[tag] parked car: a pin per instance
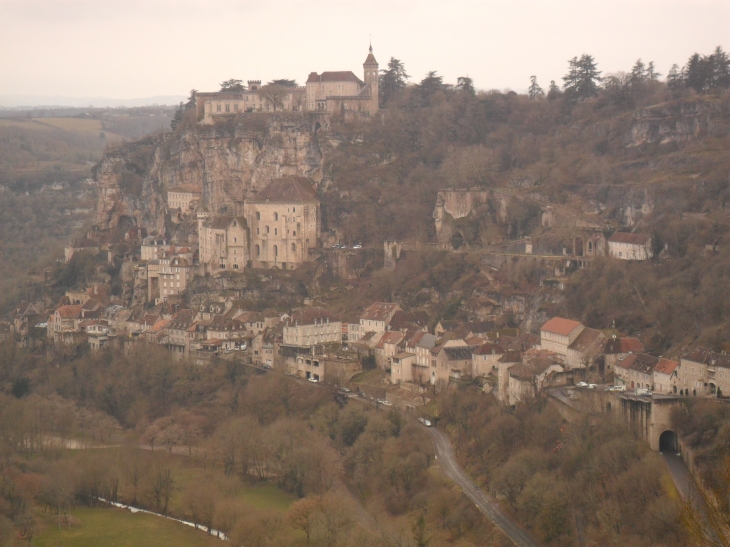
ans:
(344, 390)
(592, 386)
(581, 384)
(617, 388)
(641, 392)
(267, 366)
(357, 246)
(425, 422)
(313, 380)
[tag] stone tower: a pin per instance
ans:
(370, 67)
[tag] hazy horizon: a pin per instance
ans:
(126, 50)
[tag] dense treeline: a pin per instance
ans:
(210, 437)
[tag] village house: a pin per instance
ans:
(630, 246)
(451, 363)
(535, 373)
(616, 349)
(485, 359)
(178, 335)
(636, 371)
(311, 326)
(377, 316)
(167, 277)
(284, 223)
(63, 323)
(587, 345)
(558, 334)
(665, 376)
(255, 98)
(401, 367)
(387, 347)
(153, 248)
(704, 372)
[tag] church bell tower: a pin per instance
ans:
(370, 67)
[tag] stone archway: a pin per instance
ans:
(668, 442)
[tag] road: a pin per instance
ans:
(447, 461)
(680, 474)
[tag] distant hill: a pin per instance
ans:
(22, 102)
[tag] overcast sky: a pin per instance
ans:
(142, 48)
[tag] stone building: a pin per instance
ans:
(343, 91)
(704, 372)
(312, 326)
(168, 276)
(284, 223)
(183, 198)
(558, 333)
(223, 243)
(256, 98)
(628, 246)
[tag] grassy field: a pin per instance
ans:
(80, 126)
(119, 528)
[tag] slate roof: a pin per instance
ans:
(221, 223)
(561, 326)
(458, 353)
(588, 340)
(288, 189)
(336, 76)
(627, 237)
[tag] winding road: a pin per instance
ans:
(447, 460)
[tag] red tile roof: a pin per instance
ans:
(666, 366)
(69, 312)
(561, 326)
(627, 237)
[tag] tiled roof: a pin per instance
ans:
(380, 311)
(642, 362)
(288, 189)
(511, 357)
(707, 357)
(666, 366)
(427, 341)
(588, 340)
(627, 237)
(69, 312)
(561, 326)
(489, 349)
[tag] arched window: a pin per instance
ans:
(258, 250)
(235, 224)
(258, 231)
(276, 216)
(267, 229)
(276, 231)
(294, 209)
(258, 215)
(294, 247)
(276, 250)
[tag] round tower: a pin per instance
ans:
(370, 67)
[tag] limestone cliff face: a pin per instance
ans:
(229, 163)
(677, 122)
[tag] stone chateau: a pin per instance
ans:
(328, 92)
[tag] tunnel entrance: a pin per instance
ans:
(668, 442)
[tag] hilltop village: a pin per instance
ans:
(182, 233)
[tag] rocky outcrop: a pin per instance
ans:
(677, 122)
(228, 163)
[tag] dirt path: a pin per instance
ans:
(447, 460)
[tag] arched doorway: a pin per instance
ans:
(668, 442)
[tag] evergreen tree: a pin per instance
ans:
(720, 69)
(284, 83)
(191, 99)
(651, 74)
(696, 73)
(464, 83)
(637, 78)
(588, 77)
(392, 80)
(675, 78)
(572, 78)
(178, 117)
(233, 85)
(553, 91)
(535, 91)
(430, 85)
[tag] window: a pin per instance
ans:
(235, 239)
(267, 229)
(294, 233)
(276, 231)
(294, 209)
(234, 225)
(258, 250)
(258, 231)
(218, 108)
(276, 250)
(293, 247)
(258, 215)
(235, 107)
(228, 107)
(276, 216)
